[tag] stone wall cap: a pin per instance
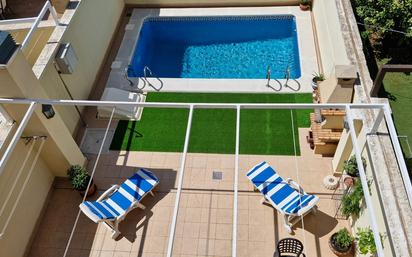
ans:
(346, 71)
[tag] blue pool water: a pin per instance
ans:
(233, 47)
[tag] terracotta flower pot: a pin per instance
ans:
(339, 252)
(304, 7)
(91, 191)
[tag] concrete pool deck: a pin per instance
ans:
(306, 43)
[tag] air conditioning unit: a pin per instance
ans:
(66, 58)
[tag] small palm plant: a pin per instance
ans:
(79, 177)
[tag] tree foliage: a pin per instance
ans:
(381, 17)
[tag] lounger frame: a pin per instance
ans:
(291, 219)
(113, 224)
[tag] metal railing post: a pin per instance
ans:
(364, 182)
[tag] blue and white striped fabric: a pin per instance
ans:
(277, 191)
(129, 192)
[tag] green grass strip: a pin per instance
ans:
(213, 130)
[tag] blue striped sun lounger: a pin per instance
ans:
(114, 204)
(286, 196)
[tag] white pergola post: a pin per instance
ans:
(192, 106)
(377, 122)
(179, 186)
(235, 184)
(364, 181)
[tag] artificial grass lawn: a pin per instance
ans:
(214, 130)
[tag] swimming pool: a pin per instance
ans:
(229, 47)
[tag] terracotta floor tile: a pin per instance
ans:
(223, 247)
(204, 225)
(189, 246)
(224, 231)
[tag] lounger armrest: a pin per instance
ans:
(295, 185)
(107, 192)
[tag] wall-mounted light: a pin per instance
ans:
(47, 110)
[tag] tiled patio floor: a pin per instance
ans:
(204, 224)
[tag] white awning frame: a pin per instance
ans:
(191, 106)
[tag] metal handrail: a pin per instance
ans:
(131, 83)
(268, 75)
(151, 74)
(287, 77)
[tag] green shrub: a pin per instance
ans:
(366, 242)
(79, 177)
(351, 166)
(351, 203)
(342, 240)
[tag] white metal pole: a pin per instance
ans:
(398, 153)
(179, 186)
(23, 187)
(187, 105)
(235, 185)
(377, 122)
(66, 250)
(53, 13)
(36, 23)
(17, 136)
(365, 186)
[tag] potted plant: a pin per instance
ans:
(316, 78)
(80, 179)
(365, 241)
(351, 202)
(351, 166)
(341, 242)
(305, 5)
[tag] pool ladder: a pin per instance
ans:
(287, 77)
(268, 73)
(148, 73)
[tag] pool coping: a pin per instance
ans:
(306, 45)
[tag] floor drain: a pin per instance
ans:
(217, 175)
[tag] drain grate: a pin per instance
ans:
(217, 175)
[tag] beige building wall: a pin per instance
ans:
(197, 3)
(59, 151)
(37, 42)
(18, 232)
(90, 32)
(331, 44)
